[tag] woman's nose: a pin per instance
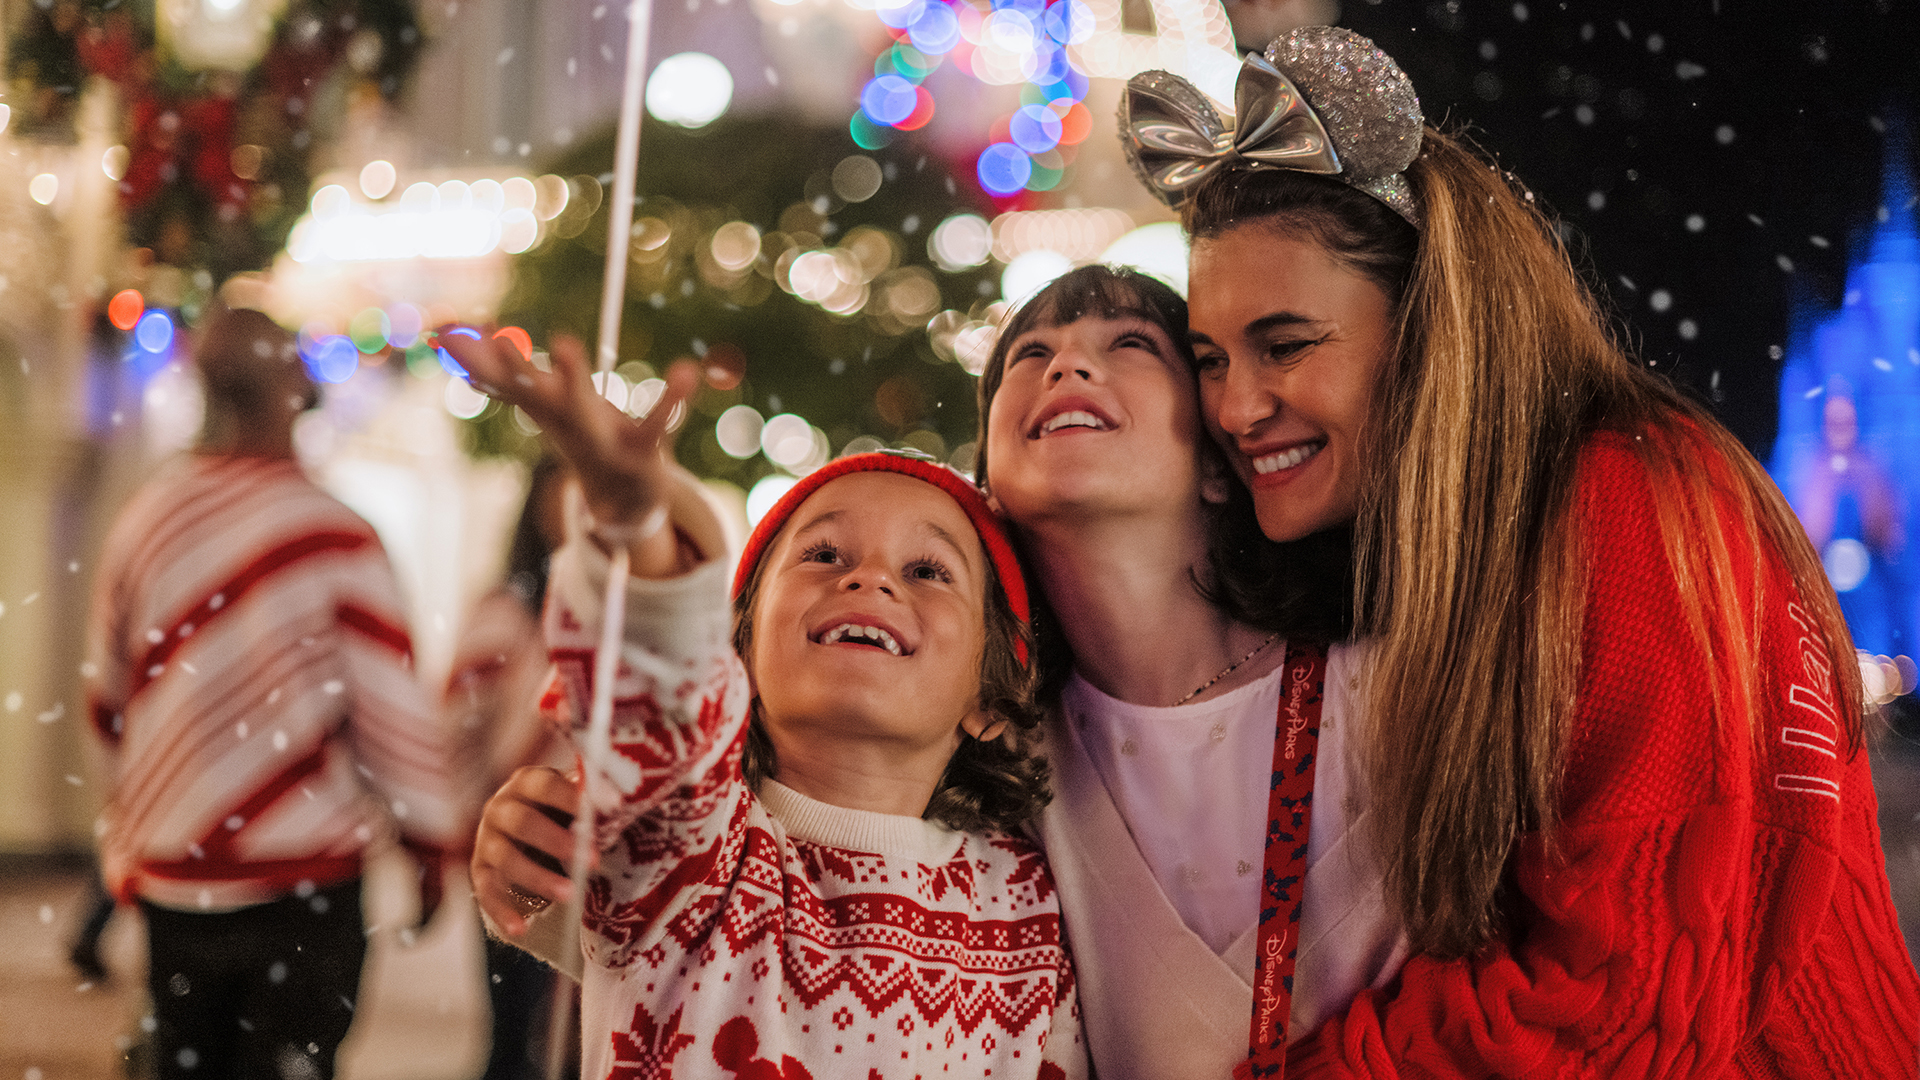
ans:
(1242, 401)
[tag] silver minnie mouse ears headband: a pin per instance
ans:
(1321, 100)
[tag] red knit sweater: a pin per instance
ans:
(1722, 909)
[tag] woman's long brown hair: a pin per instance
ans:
(1468, 565)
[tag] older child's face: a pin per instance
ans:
(872, 615)
(1290, 344)
(1094, 416)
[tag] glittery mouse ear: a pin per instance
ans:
(1321, 100)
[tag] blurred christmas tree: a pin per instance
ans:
(786, 253)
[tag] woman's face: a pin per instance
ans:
(1291, 345)
(1092, 417)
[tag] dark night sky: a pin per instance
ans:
(1767, 121)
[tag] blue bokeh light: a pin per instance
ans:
(889, 99)
(1069, 22)
(1050, 65)
(936, 30)
(447, 362)
(1035, 129)
(901, 14)
(332, 359)
(1004, 169)
(154, 332)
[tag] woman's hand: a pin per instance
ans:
(523, 846)
(621, 463)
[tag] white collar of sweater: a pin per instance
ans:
(815, 822)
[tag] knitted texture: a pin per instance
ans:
(252, 684)
(1721, 906)
(733, 932)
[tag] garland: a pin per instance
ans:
(216, 167)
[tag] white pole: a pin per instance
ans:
(606, 663)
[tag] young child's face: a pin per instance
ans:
(872, 614)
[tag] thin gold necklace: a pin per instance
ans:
(1228, 670)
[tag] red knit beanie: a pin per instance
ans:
(993, 536)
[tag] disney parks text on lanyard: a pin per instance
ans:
(1283, 880)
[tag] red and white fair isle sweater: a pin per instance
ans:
(251, 679)
(1722, 909)
(767, 935)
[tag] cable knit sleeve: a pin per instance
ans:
(1720, 904)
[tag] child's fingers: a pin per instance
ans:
(683, 378)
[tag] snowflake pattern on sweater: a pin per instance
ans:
(766, 935)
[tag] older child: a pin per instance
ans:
(846, 902)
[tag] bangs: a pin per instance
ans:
(1101, 292)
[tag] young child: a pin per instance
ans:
(805, 863)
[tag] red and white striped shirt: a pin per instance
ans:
(252, 681)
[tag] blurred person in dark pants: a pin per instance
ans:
(253, 686)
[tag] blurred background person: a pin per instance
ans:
(252, 684)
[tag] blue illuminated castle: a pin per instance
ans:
(1848, 452)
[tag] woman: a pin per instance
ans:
(1634, 829)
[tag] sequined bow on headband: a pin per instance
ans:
(1321, 100)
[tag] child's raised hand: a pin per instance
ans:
(621, 463)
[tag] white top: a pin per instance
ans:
(1160, 1001)
(1191, 783)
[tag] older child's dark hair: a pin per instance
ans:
(990, 784)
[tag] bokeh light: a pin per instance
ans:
(1035, 129)
(44, 188)
(377, 179)
(518, 338)
(404, 323)
(960, 242)
(936, 30)
(368, 330)
(447, 362)
(765, 494)
(1004, 169)
(154, 332)
(736, 245)
(123, 311)
(889, 99)
(463, 401)
(738, 431)
(787, 440)
(1159, 249)
(333, 359)
(114, 162)
(690, 89)
(1070, 22)
(1032, 272)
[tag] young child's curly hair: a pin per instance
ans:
(991, 784)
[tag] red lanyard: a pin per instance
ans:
(1283, 880)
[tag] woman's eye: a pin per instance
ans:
(1290, 350)
(1210, 363)
(821, 553)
